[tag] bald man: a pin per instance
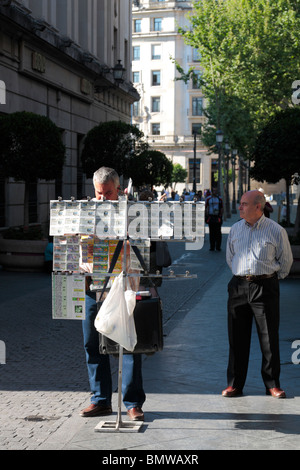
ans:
(258, 254)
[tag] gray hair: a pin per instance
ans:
(104, 175)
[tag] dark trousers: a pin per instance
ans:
(215, 235)
(259, 299)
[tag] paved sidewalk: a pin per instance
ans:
(184, 408)
(43, 384)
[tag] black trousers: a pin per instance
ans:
(259, 299)
(215, 235)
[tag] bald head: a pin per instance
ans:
(257, 197)
(252, 206)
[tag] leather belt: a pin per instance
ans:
(250, 277)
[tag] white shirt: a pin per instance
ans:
(263, 248)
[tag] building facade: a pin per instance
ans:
(56, 60)
(170, 112)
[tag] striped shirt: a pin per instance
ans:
(263, 248)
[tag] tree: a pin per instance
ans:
(277, 152)
(31, 149)
(151, 168)
(235, 122)
(111, 144)
(249, 49)
(179, 174)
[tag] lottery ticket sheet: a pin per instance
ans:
(85, 235)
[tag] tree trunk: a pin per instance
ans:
(288, 215)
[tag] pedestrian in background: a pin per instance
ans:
(268, 208)
(214, 219)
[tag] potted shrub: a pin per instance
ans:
(31, 149)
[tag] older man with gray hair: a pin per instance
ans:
(259, 254)
(107, 185)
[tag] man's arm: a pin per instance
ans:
(284, 255)
(229, 251)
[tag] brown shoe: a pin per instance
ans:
(136, 414)
(276, 392)
(232, 392)
(96, 410)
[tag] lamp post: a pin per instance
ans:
(194, 165)
(219, 140)
(241, 170)
(233, 158)
(227, 204)
(248, 175)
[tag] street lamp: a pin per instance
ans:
(194, 165)
(233, 157)
(241, 177)
(219, 140)
(118, 72)
(227, 205)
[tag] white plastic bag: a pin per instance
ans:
(115, 317)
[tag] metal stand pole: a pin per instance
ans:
(119, 416)
(119, 425)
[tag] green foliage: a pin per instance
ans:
(277, 150)
(189, 75)
(31, 147)
(277, 153)
(121, 146)
(111, 144)
(249, 49)
(234, 120)
(179, 174)
(151, 168)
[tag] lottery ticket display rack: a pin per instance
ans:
(86, 232)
